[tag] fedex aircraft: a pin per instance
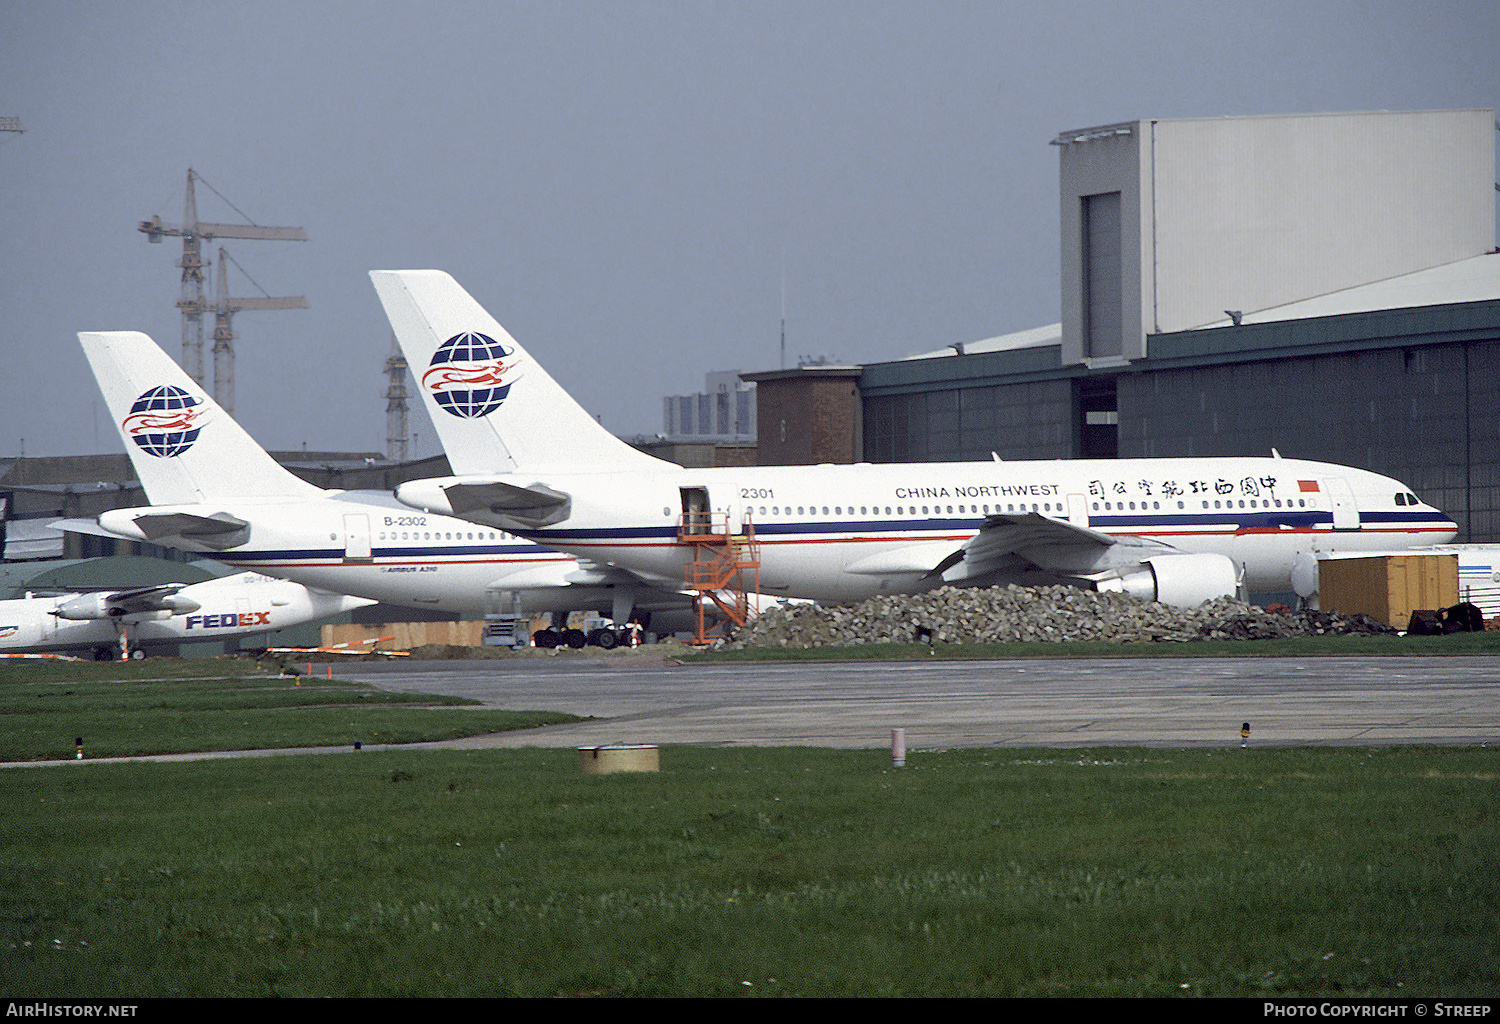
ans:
(1180, 531)
(214, 490)
(125, 620)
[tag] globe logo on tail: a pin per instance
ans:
(467, 375)
(165, 421)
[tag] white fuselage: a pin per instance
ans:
(843, 533)
(369, 545)
(234, 606)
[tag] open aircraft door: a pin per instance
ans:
(697, 514)
(713, 512)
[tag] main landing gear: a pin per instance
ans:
(607, 637)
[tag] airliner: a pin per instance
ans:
(1175, 530)
(132, 620)
(214, 490)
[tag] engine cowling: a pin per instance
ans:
(1184, 581)
(84, 606)
(99, 606)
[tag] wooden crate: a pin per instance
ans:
(406, 635)
(1388, 587)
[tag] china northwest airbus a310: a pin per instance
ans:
(214, 490)
(1176, 530)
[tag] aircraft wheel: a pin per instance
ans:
(544, 638)
(574, 638)
(607, 639)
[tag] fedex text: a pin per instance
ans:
(229, 620)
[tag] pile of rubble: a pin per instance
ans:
(954, 615)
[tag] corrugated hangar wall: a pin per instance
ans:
(1426, 414)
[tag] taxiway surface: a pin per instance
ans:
(1052, 702)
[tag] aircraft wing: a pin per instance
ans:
(1006, 544)
(119, 603)
(1038, 542)
(148, 599)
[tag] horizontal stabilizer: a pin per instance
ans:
(219, 531)
(525, 507)
(88, 527)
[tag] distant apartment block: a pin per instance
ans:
(723, 412)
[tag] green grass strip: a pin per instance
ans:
(169, 707)
(1300, 872)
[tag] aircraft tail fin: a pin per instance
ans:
(185, 448)
(494, 407)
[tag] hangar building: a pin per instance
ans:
(1325, 285)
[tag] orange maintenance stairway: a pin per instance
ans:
(723, 572)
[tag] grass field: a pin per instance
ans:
(165, 706)
(736, 872)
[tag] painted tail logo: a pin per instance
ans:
(165, 421)
(467, 375)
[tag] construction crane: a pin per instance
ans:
(193, 233)
(225, 308)
(395, 405)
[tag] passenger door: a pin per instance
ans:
(357, 538)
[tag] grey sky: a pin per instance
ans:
(626, 186)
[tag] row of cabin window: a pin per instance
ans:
(427, 535)
(903, 510)
(1120, 506)
(1046, 506)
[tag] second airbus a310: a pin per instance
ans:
(214, 490)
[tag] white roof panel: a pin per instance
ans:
(1476, 279)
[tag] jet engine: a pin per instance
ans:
(86, 606)
(1184, 581)
(103, 606)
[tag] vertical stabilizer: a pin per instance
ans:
(184, 447)
(494, 407)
